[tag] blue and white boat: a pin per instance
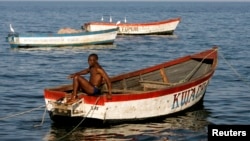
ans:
(29, 40)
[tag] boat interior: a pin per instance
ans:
(163, 77)
(158, 79)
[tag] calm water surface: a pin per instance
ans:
(24, 73)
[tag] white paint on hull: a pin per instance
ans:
(136, 28)
(143, 108)
(61, 40)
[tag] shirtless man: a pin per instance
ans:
(97, 75)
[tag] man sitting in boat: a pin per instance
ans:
(91, 87)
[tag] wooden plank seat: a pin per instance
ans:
(154, 84)
(121, 91)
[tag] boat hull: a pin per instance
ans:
(142, 99)
(166, 27)
(60, 40)
(100, 122)
(131, 110)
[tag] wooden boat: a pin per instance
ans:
(81, 38)
(164, 27)
(156, 91)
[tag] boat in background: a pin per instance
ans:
(64, 37)
(160, 90)
(164, 27)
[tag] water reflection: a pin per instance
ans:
(189, 125)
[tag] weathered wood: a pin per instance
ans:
(153, 85)
(133, 83)
(156, 82)
(122, 91)
(152, 76)
(180, 71)
(117, 85)
(164, 76)
(124, 86)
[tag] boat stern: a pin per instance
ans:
(61, 108)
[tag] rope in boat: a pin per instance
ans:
(240, 77)
(196, 67)
(21, 113)
(80, 121)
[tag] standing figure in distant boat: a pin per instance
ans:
(91, 87)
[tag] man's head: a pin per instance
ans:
(92, 59)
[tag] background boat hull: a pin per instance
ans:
(158, 28)
(61, 40)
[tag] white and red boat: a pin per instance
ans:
(164, 27)
(156, 91)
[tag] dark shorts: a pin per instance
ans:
(96, 91)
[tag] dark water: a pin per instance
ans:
(24, 73)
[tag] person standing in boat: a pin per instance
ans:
(97, 75)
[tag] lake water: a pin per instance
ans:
(24, 73)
